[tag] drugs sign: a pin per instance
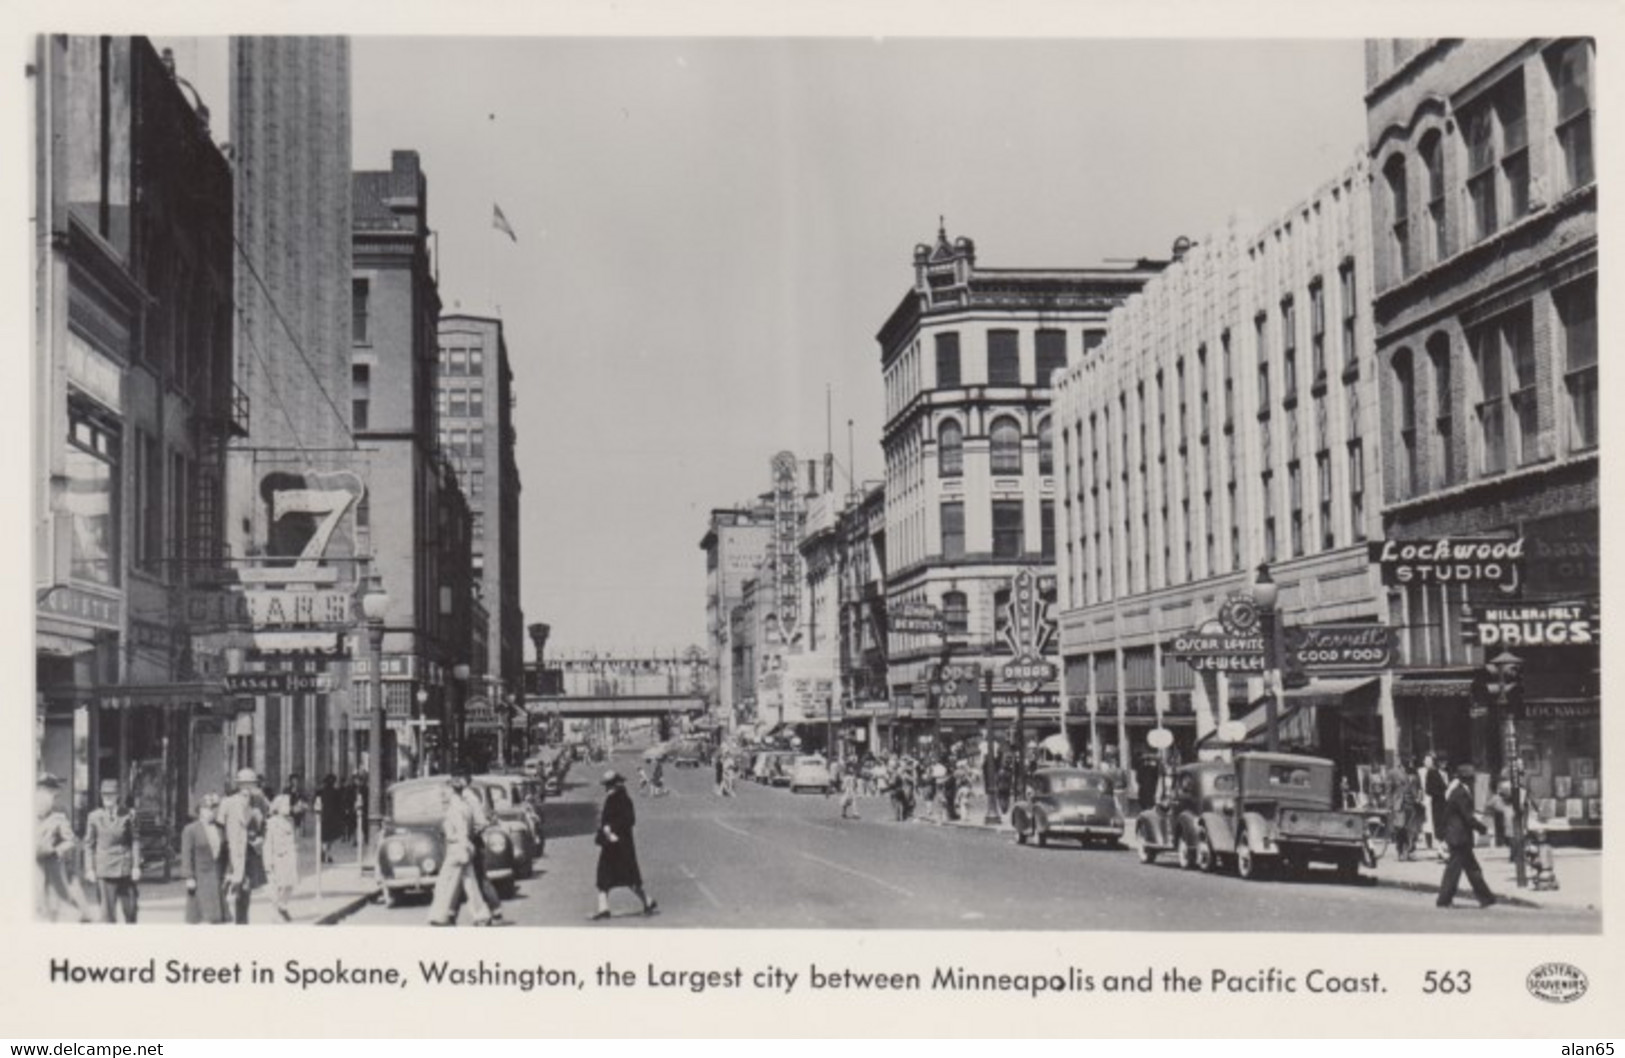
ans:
(1536, 626)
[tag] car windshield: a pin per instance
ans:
(1077, 782)
(1288, 775)
(424, 803)
(811, 762)
(499, 795)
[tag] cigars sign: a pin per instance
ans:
(1451, 560)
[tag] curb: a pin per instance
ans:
(346, 909)
(1500, 898)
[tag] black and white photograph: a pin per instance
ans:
(752, 483)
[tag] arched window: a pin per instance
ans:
(955, 611)
(1399, 214)
(1005, 438)
(1432, 150)
(1046, 448)
(950, 450)
(1443, 421)
(1405, 392)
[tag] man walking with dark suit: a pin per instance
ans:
(1457, 829)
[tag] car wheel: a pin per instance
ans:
(1207, 860)
(1145, 850)
(1184, 853)
(1246, 865)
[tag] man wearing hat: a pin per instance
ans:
(53, 848)
(617, 853)
(113, 854)
(1456, 829)
(243, 815)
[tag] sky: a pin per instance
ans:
(711, 231)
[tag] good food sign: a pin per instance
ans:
(1341, 647)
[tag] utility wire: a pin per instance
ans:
(288, 329)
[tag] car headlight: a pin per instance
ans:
(495, 840)
(428, 865)
(395, 850)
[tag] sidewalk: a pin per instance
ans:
(344, 889)
(1579, 871)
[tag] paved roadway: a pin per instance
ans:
(772, 859)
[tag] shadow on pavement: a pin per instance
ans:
(570, 819)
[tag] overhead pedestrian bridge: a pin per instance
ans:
(585, 707)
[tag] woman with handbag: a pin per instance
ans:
(617, 852)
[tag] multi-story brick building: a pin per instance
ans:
(133, 404)
(967, 358)
(1485, 220)
(735, 544)
(290, 137)
(474, 404)
(1228, 421)
(414, 521)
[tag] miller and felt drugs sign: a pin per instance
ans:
(1536, 626)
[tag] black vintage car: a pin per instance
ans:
(1071, 803)
(412, 846)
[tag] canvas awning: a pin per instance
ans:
(1295, 723)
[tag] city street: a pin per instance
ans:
(771, 859)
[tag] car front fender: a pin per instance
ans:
(1154, 824)
(1260, 834)
(1220, 830)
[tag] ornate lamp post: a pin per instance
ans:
(1507, 669)
(1265, 594)
(374, 607)
(459, 679)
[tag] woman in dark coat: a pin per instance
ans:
(617, 852)
(203, 865)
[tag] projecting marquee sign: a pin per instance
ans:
(1537, 626)
(269, 608)
(1218, 651)
(1028, 630)
(1450, 560)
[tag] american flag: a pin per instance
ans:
(500, 222)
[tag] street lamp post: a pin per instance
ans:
(990, 767)
(459, 679)
(1506, 667)
(374, 607)
(1266, 593)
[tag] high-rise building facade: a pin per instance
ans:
(1485, 223)
(133, 406)
(735, 544)
(967, 358)
(290, 146)
(1228, 422)
(414, 521)
(474, 406)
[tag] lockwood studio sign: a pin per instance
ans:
(1449, 560)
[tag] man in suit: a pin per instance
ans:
(1456, 830)
(113, 854)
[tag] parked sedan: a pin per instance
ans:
(412, 844)
(518, 803)
(1068, 802)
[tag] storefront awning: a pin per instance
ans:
(1296, 717)
(60, 646)
(170, 695)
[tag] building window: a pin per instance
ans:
(1357, 490)
(1046, 528)
(1346, 292)
(1317, 331)
(1294, 477)
(1323, 476)
(458, 403)
(476, 485)
(90, 496)
(1264, 391)
(1577, 315)
(947, 361)
(1405, 482)
(1269, 539)
(360, 415)
(1399, 228)
(950, 450)
(1051, 354)
(360, 292)
(1008, 524)
(1432, 149)
(476, 442)
(476, 361)
(1003, 359)
(1289, 352)
(955, 612)
(1262, 335)
(1503, 352)
(1179, 392)
(1570, 64)
(476, 402)
(1046, 448)
(149, 507)
(953, 529)
(1005, 438)
(1443, 421)
(1497, 137)
(458, 361)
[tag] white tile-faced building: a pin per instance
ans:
(967, 359)
(1228, 421)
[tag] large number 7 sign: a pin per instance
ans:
(306, 539)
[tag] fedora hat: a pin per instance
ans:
(613, 778)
